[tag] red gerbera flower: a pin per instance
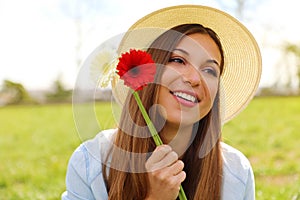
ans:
(136, 68)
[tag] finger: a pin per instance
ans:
(175, 181)
(168, 160)
(159, 153)
(176, 168)
(169, 171)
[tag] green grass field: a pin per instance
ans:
(37, 141)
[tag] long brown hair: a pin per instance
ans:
(127, 178)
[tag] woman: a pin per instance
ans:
(188, 115)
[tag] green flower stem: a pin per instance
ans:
(150, 125)
(154, 133)
(182, 194)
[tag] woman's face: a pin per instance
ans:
(190, 80)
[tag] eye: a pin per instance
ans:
(211, 71)
(177, 60)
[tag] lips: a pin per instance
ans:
(186, 96)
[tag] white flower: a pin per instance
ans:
(102, 67)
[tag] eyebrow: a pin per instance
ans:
(213, 61)
(181, 50)
(187, 53)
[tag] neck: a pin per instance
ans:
(178, 138)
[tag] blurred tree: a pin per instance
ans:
(15, 93)
(78, 10)
(294, 50)
(59, 92)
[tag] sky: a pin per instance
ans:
(38, 38)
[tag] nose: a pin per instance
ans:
(192, 76)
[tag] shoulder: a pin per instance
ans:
(238, 178)
(87, 159)
(234, 157)
(84, 178)
(235, 162)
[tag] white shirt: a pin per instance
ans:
(84, 179)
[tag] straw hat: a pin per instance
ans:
(242, 66)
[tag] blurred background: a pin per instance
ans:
(43, 45)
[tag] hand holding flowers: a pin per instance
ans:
(136, 68)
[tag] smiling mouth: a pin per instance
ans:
(185, 96)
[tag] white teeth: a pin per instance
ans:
(185, 96)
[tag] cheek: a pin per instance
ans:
(207, 105)
(210, 88)
(169, 76)
(210, 85)
(213, 91)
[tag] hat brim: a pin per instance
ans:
(242, 58)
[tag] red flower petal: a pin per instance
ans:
(136, 68)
